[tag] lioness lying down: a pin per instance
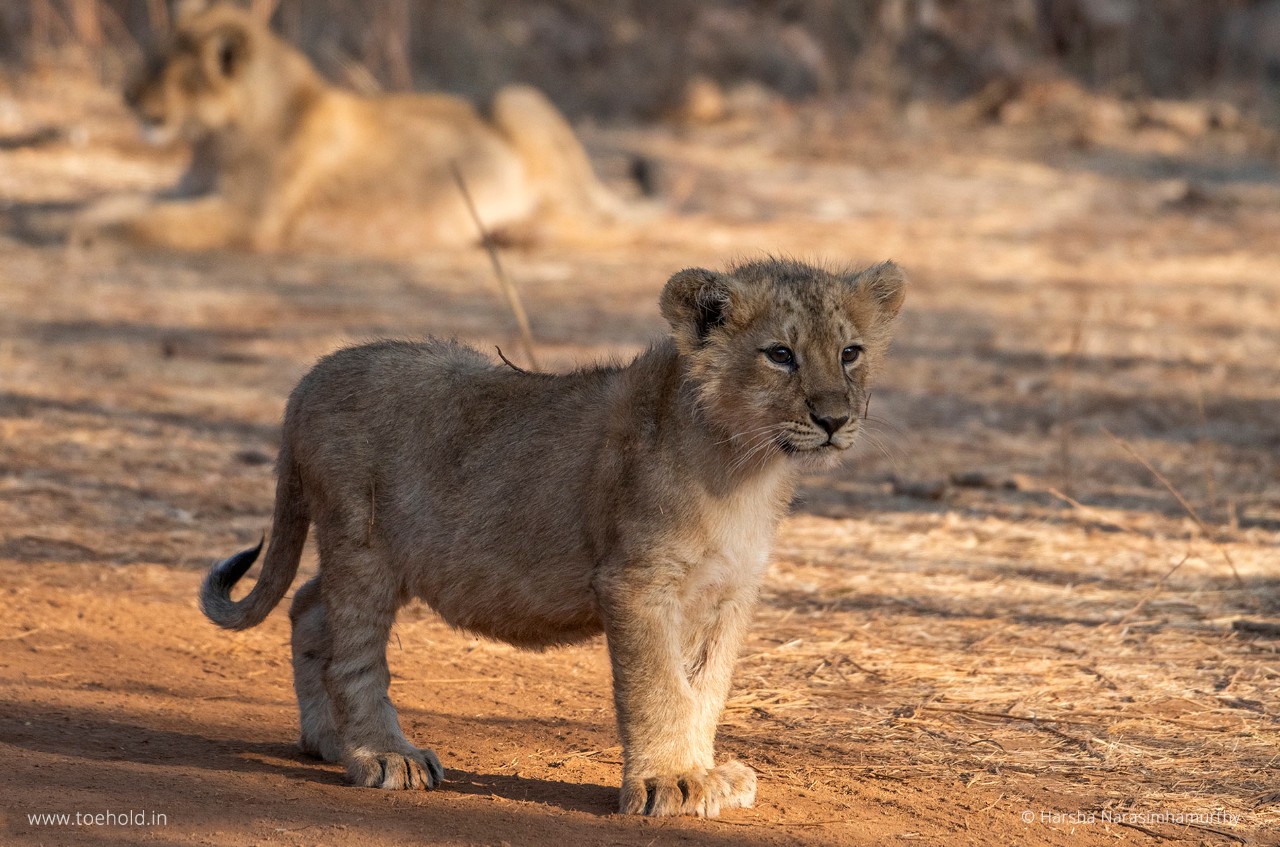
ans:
(542, 509)
(275, 148)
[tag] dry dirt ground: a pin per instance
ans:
(996, 625)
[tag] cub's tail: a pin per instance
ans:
(288, 533)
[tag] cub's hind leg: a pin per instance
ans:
(360, 608)
(319, 735)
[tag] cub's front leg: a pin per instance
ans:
(672, 658)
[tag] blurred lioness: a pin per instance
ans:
(276, 149)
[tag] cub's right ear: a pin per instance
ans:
(694, 302)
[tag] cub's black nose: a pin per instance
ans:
(830, 425)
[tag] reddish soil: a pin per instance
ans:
(995, 610)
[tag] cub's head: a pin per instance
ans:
(200, 81)
(781, 353)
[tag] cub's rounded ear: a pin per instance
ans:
(886, 284)
(225, 51)
(694, 302)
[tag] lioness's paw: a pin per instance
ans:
(417, 769)
(703, 793)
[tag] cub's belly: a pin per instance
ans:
(531, 608)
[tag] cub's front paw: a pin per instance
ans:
(699, 792)
(416, 769)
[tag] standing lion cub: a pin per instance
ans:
(276, 147)
(542, 509)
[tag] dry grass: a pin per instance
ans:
(1121, 692)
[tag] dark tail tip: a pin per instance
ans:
(215, 593)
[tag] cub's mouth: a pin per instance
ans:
(829, 446)
(814, 444)
(793, 450)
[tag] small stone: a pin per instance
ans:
(253, 457)
(972, 479)
(931, 489)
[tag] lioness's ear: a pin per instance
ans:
(182, 10)
(886, 284)
(225, 51)
(694, 302)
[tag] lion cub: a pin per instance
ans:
(542, 509)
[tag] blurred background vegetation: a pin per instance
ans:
(636, 59)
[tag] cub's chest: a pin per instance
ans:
(737, 534)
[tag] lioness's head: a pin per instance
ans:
(220, 69)
(781, 353)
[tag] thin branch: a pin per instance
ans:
(513, 297)
(981, 713)
(1089, 510)
(1140, 828)
(1150, 595)
(508, 362)
(23, 634)
(1066, 425)
(1182, 501)
(805, 824)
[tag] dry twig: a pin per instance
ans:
(513, 297)
(1182, 501)
(1066, 426)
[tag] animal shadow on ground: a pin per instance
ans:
(91, 735)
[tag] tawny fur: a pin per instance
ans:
(538, 509)
(280, 156)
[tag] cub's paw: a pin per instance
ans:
(699, 792)
(406, 769)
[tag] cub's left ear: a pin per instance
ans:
(886, 284)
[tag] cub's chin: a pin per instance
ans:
(816, 458)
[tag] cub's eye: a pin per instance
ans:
(780, 355)
(851, 354)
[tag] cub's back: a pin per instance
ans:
(437, 405)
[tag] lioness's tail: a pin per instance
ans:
(288, 533)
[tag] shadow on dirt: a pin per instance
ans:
(1129, 165)
(232, 788)
(27, 405)
(1252, 597)
(575, 797)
